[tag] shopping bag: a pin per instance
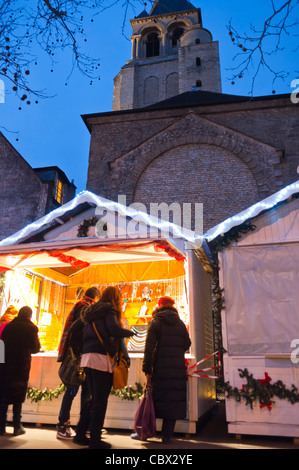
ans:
(145, 418)
(70, 372)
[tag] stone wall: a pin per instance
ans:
(226, 156)
(22, 194)
(147, 81)
(208, 72)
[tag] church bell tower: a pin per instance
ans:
(171, 53)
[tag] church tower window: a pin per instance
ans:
(152, 45)
(177, 33)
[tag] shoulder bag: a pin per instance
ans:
(120, 367)
(70, 371)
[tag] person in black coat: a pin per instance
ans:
(164, 359)
(103, 319)
(20, 339)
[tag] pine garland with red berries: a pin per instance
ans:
(261, 390)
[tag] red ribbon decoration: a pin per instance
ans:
(76, 263)
(266, 379)
(163, 246)
(269, 405)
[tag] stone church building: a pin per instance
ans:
(174, 137)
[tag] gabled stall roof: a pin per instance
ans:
(53, 241)
(253, 211)
(82, 202)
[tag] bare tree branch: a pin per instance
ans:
(258, 47)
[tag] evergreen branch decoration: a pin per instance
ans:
(126, 393)
(261, 391)
(84, 226)
(36, 395)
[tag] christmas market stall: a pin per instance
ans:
(258, 253)
(91, 241)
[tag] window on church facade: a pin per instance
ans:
(198, 61)
(176, 35)
(152, 45)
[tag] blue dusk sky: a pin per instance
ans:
(52, 132)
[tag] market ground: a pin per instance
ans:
(212, 434)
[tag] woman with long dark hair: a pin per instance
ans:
(103, 318)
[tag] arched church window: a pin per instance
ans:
(197, 41)
(152, 45)
(198, 61)
(176, 35)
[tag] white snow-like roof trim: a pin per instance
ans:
(89, 197)
(252, 211)
(180, 232)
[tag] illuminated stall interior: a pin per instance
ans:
(51, 291)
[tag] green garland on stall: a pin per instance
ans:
(36, 395)
(261, 391)
(84, 226)
(126, 393)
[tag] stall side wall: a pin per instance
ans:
(201, 331)
(260, 322)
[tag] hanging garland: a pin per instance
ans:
(126, 393)
(36, 395)
(261, 391)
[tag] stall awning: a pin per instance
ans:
(84, 254)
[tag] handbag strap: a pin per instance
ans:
(98, 335)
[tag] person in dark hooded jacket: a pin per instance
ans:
(164, 359)
(71, 338)
(103, 318)
(20, 339)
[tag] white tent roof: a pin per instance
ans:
(252, 211)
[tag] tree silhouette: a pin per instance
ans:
(30, 28)
(258, 47)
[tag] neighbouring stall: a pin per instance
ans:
(259, 275)
(49, 264)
